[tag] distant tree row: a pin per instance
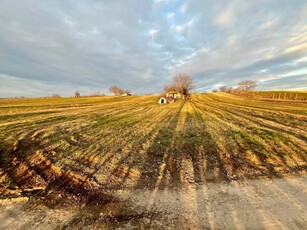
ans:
(98, 94)
(117, 91)
(242, 87)
(113, 89)
(77, 95)
(182, 83)
(56, 95)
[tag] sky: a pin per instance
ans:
(59, 46)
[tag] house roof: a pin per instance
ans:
(172, 91)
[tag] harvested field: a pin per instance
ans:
(101, 151)
(280, 95)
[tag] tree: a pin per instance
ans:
(247, 85)
(97, 94)
(128, 92)
(56, 95)
(116, 90)
(77, 94)
(182, 83)
(168, 88)
(225, 89)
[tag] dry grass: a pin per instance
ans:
(279, 95)
(89, 145)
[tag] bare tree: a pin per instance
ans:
(168, 88)
(77, 94)
(56, 95)
(225, 89)
(116, 90)
(97, 94)
(247, 85)
(128, 92)
(183, 83)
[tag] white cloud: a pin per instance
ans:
(231, 40)
(226, 18)
(152, 33)
(162, 1)
(13, 86)
(268, 24)
(183, 8)
(69, 21)
(179, 28)
(170, 15)
(184, 27)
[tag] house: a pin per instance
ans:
(126, 94)
(162, 100)
(170, 97)
(174, 94)
(165, 100)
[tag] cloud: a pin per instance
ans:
(54, 46)
(152, 33)
(226, 18)
(183, 8)
(295, 82)
(170, 15)
(18, 87)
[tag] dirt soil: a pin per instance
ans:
(250, 204)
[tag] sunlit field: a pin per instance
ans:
(84, 149)
(281, 95)
(135, 142)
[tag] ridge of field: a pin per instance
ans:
(83, 146)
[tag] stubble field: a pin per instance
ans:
(68, 151)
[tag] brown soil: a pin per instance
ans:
(260, 204)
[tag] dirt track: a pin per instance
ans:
(260, 204)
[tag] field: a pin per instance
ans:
(281, 95)
(95, 150)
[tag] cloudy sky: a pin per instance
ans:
(59, 46)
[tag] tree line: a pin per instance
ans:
(116, 90)
(242, 87)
